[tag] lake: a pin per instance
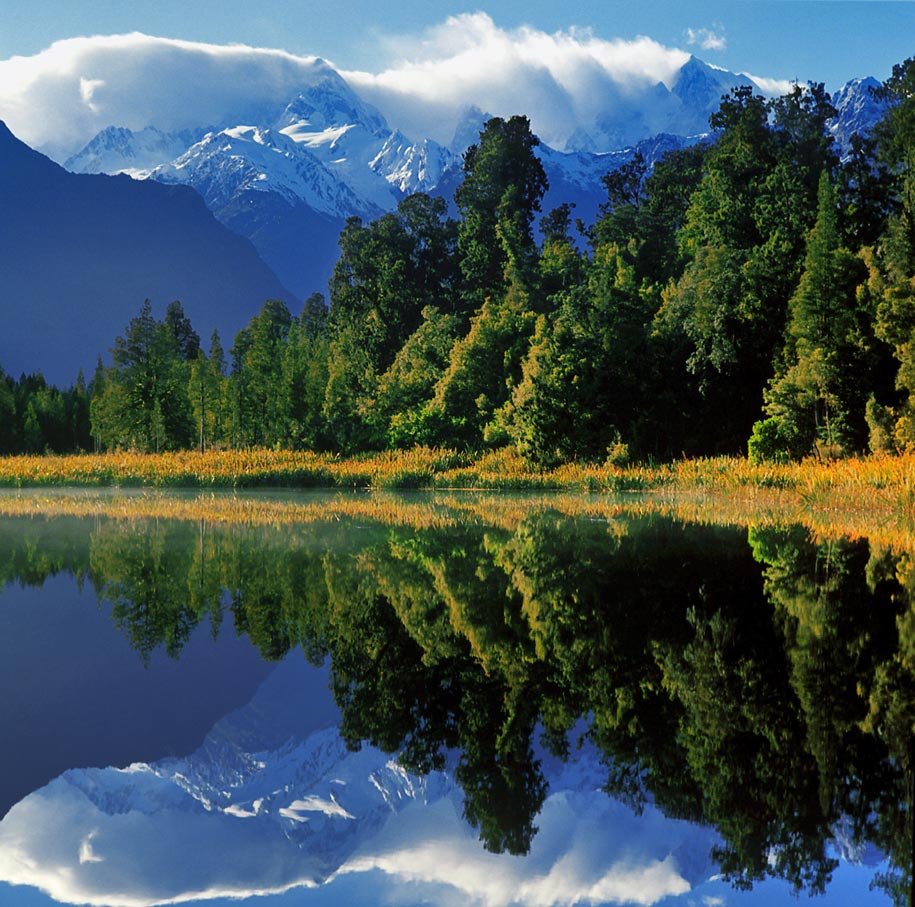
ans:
(313, 698)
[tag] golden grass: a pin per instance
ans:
(854, 496)
(869, 498)
(884, 480)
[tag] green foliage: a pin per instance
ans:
(751, 270)
(503, 183)
(817, 398)
(484, 366)
(587, 368)
(305, 376)
(388, 272)
(208, 390)
(774, 439)
(142, 400)
(256, 394)
(409, 384)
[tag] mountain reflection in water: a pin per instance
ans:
(746, 697)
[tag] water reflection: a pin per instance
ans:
(756, 684)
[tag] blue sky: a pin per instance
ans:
(821, 40)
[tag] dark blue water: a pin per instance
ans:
(76, 694)
(240, 784)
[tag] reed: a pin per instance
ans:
(873, 484)
(893, 530)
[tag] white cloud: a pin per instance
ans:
(87, 89)
(706, 38)
(771, 87)
(57, 100)
(86, 852)
(60, 98)
(560, 80)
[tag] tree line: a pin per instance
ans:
(753, 292)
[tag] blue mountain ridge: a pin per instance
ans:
(79, 253)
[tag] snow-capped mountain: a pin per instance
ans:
(287, 184)
(224, 165)
(117, 149)
(857, 110)
(683, 110)
(698, 91)
(288, 177)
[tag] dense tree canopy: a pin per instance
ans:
(751, 289)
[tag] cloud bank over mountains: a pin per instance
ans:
(59, 99)
(560, 80)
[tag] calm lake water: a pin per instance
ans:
(313, 699)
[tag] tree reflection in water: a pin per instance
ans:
(756, 681)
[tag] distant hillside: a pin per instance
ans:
(80, 253)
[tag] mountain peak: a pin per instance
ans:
(467, 132)
(858, 109)
(117, 149)
(330, 102)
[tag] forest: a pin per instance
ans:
(753, 293)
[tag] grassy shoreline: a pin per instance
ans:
(870, 497)
(870, 483)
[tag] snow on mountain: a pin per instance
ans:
(627, 118)
(412, 166)
(289, 179)
(329, 101)
(699, 89)
(376, 163)
(857, 110)
(467, 131)
(117, 149)
(251, 159)
(380, 167)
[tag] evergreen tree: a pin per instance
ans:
(503, 181)
(895, 322)
(144, 400)
(743, 235)
(818, 400)
(409, 384)
(305, 373)
(179, 326)
(388, 272)
(257, 391)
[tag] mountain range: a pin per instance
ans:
(289, 181)
(120, 225)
